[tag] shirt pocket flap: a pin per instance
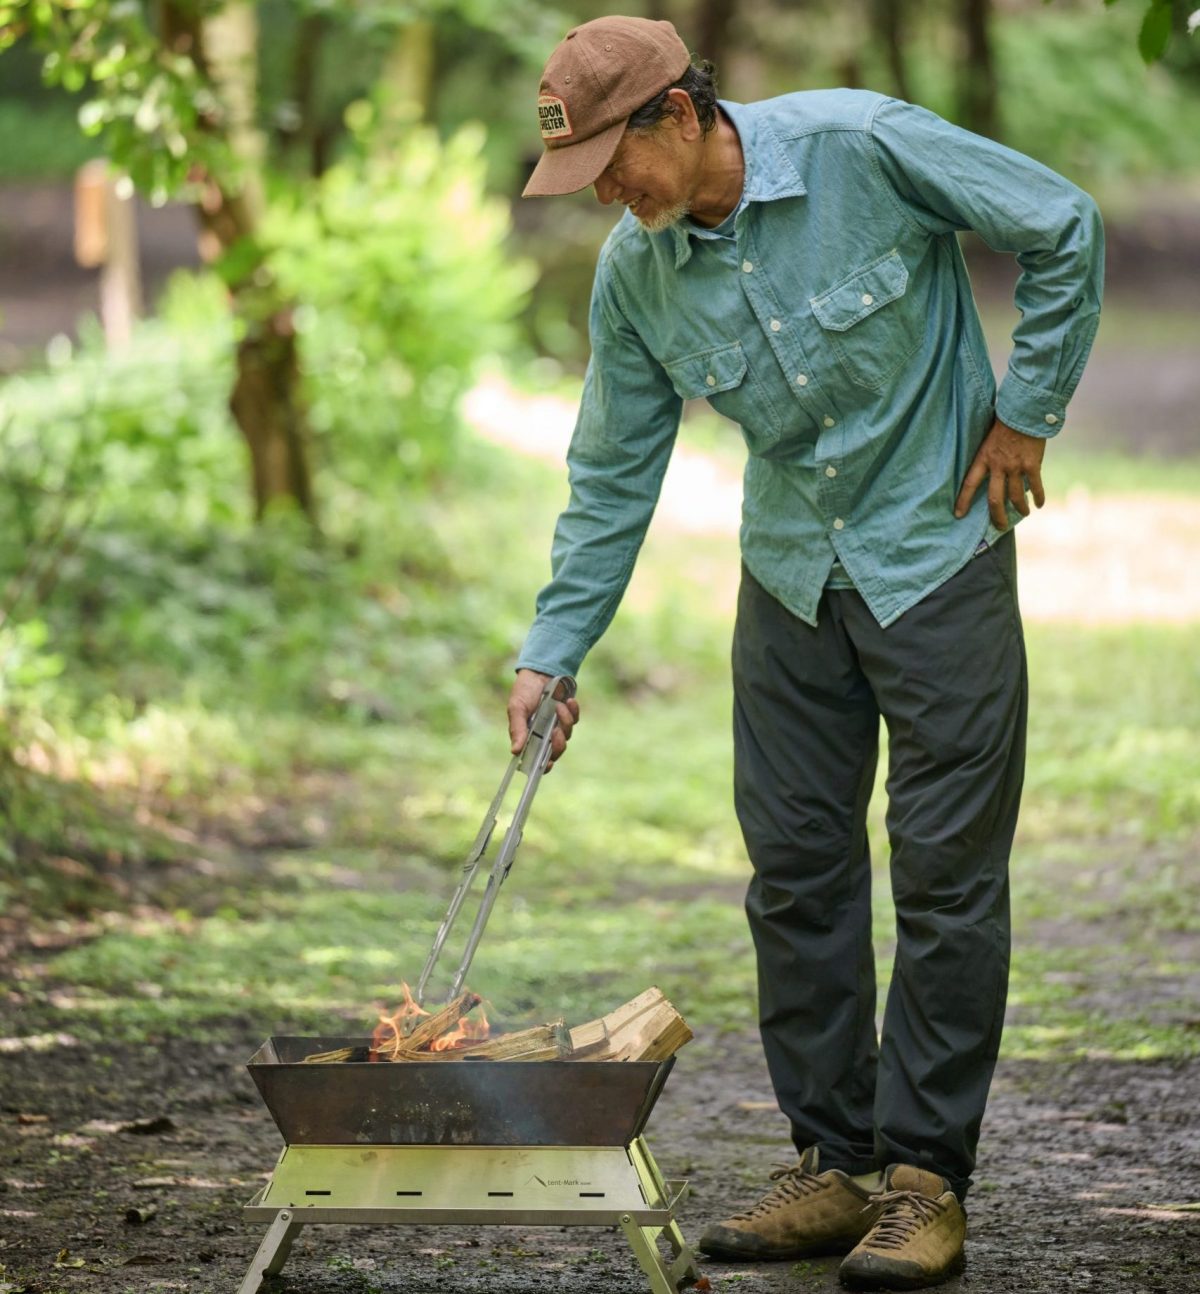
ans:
(843, 305)
(696, 376)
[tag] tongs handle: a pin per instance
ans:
(532, 759)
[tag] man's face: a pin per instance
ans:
(654, 174)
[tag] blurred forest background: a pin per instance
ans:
(267, 551)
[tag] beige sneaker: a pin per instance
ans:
(805, 1213)
(917, 1240)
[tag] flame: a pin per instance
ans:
(389, 1035)
(391, 1030)
(465, 1033)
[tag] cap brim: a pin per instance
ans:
(572, 167)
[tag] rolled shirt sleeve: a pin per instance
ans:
(948, 179)
(628, 419)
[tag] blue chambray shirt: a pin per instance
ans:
(838, 329)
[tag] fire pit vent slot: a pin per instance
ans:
(318, 1192)
(506, 1194)
(410, 1192)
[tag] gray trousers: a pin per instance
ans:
(949, 680)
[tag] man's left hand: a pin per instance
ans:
(1008, 459)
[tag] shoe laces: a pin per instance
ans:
(904, 1213)
(792, 1182)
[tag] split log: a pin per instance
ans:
(594, 1036)
(646, 1028)
(546, 1042)
(337, 1057)
(432, 1026)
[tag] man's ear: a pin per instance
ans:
(683, 114)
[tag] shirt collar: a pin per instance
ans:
(769, 171)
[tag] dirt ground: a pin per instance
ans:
(1078, 1173)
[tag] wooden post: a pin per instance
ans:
(106, 236)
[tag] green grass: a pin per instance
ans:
(632, 867)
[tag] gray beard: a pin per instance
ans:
(665, 219)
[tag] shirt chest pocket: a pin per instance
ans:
(722, 376)
(869, 322)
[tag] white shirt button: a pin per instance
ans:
(775, 325)
(747, 267)
(1051, 419)
(828, 421)
(831, 470)
(838, 524)
(868, 299)
(801, 379)
(712, 381)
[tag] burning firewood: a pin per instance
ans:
(428, 1031)
(646, 1028)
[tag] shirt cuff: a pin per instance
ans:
(550, 651)
(1029, 409)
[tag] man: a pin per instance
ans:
(795, 262)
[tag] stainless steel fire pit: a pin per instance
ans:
(502, 1143)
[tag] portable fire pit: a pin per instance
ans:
(381, 1135)
(546, 1143)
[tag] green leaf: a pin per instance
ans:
(92, 115)
(1156, 31)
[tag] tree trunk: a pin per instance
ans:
(300, 129)
(264, 404)
(889, 18)
(712, 23)
(406, 84)
(266, 400)
(978, 94)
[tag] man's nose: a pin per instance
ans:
(606, 189)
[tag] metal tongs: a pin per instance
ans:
(532, 759)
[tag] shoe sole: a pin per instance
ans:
(730, 1255)
(882, 1281)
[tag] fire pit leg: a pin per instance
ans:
(665, 1278)
(273, 1252)
(682, 1271)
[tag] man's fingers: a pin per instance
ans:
(1034, 477)
(996, 484)
(518, 725)
(523, 701)
(971, 482)
(1016, 494)
(567, 718)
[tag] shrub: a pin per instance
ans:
(400, 262)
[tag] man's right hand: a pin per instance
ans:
(523, 701)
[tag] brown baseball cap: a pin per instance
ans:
(599, 75)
